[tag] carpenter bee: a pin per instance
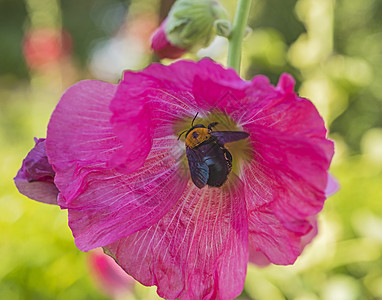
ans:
(208, 160)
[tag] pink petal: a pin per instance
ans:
(105, 205)
(270, 241)
(258, 258)
(79, 129)
(284, 111)
(109, 276)
(332, 187)
(162, 46)
(45, 192)
(132, 122)
(181, 77)
(146, 105)
(286, 83)
(287, 169)
(35, 179)
(218, 88)
(199, 250)
(288, 174)
(307, 238)
(178, 76)
(111, 205)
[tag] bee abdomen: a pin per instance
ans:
(219, 166)
(217, 176)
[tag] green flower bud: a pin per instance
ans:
(223, 27)
(190, 23)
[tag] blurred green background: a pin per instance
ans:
(332, 47)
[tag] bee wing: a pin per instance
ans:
(229, 136)
(198, 168)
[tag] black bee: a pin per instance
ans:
(209, 161)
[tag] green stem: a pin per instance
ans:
(237, 35)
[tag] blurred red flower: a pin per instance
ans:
(45, 46)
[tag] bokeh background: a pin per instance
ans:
(332, 47)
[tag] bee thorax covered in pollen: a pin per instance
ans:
(196, 137)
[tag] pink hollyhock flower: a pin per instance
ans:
(122, 174)
(110, 277)
(35, 179)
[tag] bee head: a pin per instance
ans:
(192, 129)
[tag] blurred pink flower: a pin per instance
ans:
(109, 277)
(123, 175)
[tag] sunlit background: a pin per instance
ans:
(332, 47)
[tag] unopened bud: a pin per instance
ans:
(223, 27)
(188, 26)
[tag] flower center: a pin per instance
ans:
(215, 147)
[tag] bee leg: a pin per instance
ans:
(228, 159)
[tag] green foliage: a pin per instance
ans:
(12, 16)
(88, 21)
(337, 62)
